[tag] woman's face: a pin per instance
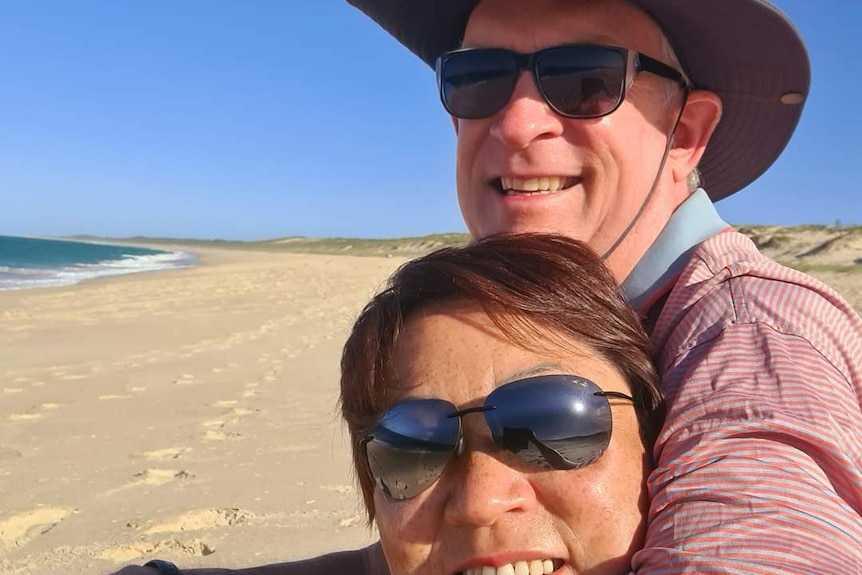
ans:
(487, 509)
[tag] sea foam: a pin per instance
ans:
(40, 275)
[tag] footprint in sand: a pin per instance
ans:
(20, 529)
(152, 477)
(165, 454)
(34, 416)
(185, 379)
(224, 403)
(214, 435)
(24, 416)
(168, 547)
(161, 476)
(351, 521)
(214, 427)
(200, 519)
(7, 453)
(340, 489)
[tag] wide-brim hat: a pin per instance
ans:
(746, 51)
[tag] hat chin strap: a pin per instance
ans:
(610, 251)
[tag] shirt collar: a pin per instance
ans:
(693, 222)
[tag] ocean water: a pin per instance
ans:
(32, 263)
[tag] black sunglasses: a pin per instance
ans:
(577, 81)
(548, 422)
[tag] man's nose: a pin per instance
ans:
(527, 116)
(482, 489)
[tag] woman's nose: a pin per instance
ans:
(481, 488)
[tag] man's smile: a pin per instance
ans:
(543, 185)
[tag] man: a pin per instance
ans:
(759, 464)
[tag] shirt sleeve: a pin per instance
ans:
(759, 464)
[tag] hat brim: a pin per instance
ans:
(746, 51)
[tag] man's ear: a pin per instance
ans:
(454, 123)
(698, 122)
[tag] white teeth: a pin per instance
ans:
(536, 567)
(543, 185)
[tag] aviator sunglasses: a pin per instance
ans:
(577, 81)
(547, 422)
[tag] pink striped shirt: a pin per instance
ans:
(759, 464)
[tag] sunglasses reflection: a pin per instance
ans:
(551, 422)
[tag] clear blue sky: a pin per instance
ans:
(251, 119)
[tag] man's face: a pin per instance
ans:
(489, 509)
(605, 166)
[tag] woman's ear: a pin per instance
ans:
(696, 125)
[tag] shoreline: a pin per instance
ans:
(34, 263)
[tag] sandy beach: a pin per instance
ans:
(187, 415)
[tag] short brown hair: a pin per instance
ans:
(523, 282)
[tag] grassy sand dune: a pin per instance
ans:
(810, 247)
(407, 247)
(801, 247)
(830, 253)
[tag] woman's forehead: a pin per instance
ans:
(458, 353)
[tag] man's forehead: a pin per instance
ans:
(545, 23)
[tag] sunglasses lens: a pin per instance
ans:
(551, 421)
(582, 81)
(411, 445)
(577, 81)
(477, 83)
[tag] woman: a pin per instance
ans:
(501, 404)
